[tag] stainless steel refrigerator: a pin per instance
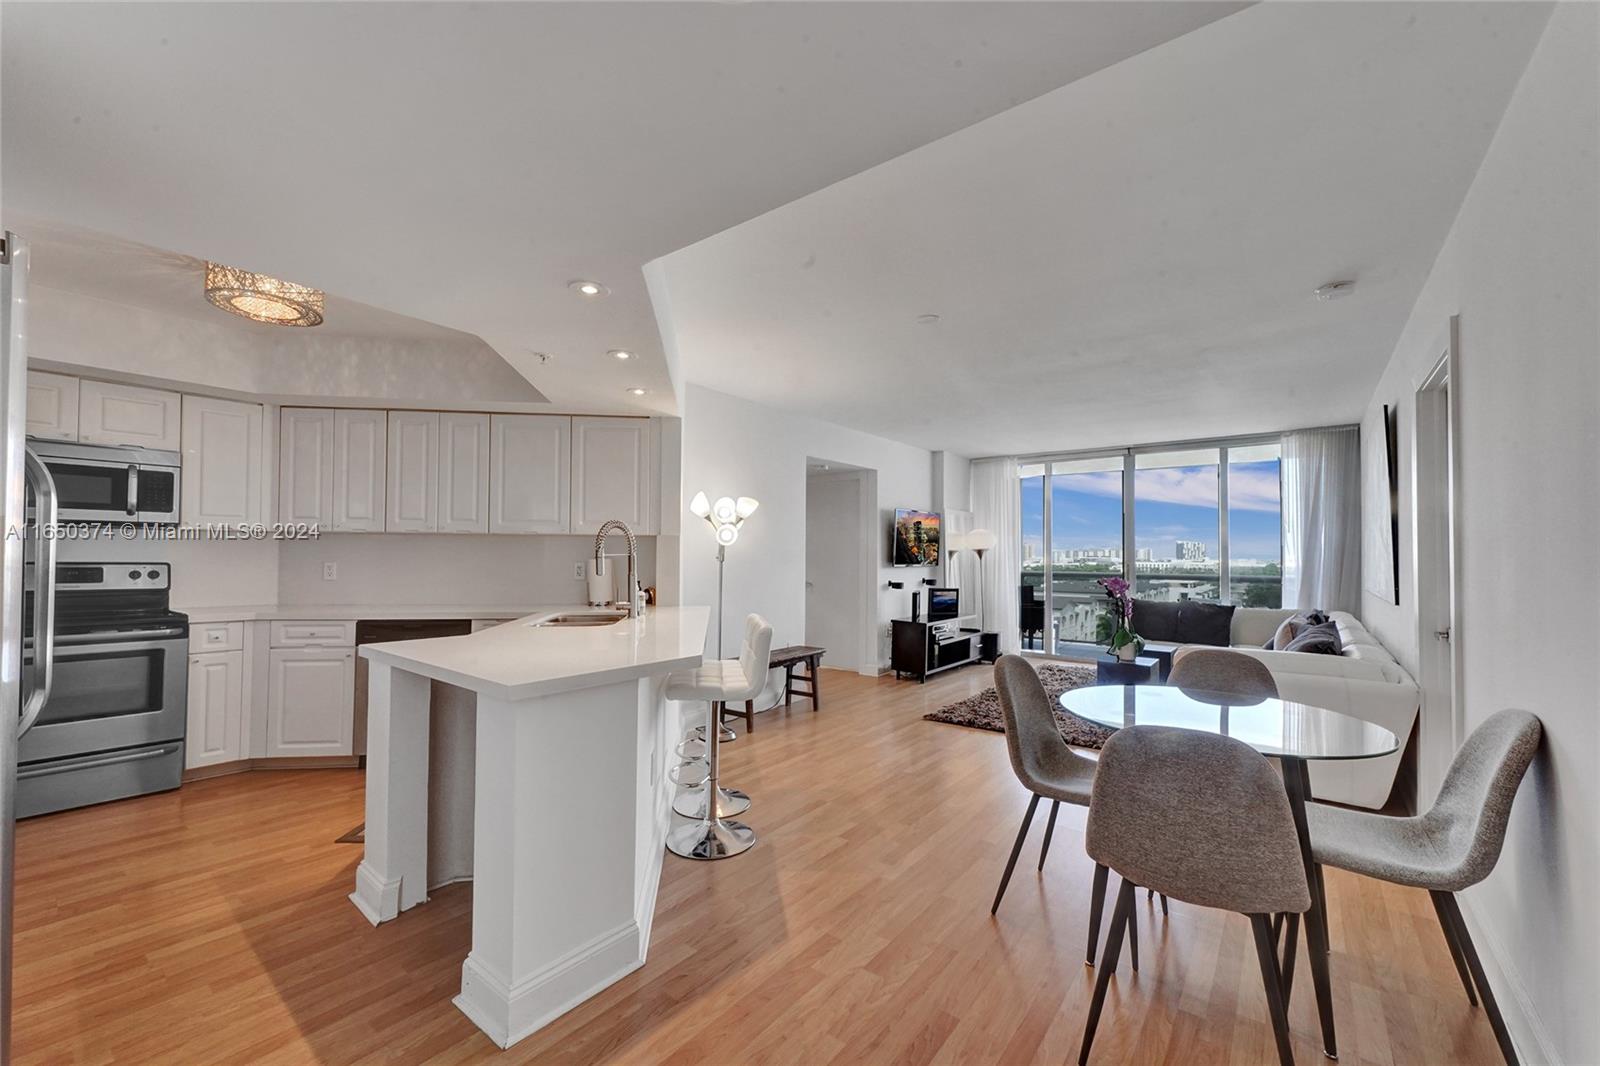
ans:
(27, 507)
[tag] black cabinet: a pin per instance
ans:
(920, 649)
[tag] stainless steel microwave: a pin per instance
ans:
(101, 483)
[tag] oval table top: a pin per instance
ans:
(1275, 727)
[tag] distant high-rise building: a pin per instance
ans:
(1145, 555)
(1191, 551)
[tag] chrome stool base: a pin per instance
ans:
(730, 801)
(726, 733)
(691, 773)
(711, 839)
(694, 748)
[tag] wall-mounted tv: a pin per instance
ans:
(916, 538)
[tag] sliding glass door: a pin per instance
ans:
(1176, 525)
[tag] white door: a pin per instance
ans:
(1436, 474)
(413, 491)
(530, 473)
(52, 405)
(305, 466)
(360, 456)
(463, 473)
(310, 701)
(223, 462)
(611, 473)
(128, 414)
(216, 709)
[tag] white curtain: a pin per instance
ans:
(997, 507)
(1322, 519)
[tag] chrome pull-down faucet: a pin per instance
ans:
(615, 526)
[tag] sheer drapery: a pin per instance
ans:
(997, 507)
(1322, 519)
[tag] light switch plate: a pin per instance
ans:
(330, 571)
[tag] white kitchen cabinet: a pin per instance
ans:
(305, 466)
(530, 473)
(215, 732)
(128, 414)
(310, 701)
(360, 458)
(413, 474)
(224, 467)
(52, 405)
(612, 473)
(463, 473)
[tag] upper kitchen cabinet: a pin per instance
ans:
(530, 473)
(612, 473)
(463, 473)
(128, 414)
(52, 405)
(360, 459)
(305, 466)
(224, 462)
(413, 476)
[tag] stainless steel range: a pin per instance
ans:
(113, 723)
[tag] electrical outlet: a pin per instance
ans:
(578, 571)
(330, 571)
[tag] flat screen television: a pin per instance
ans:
(943, 603)
(916, 538)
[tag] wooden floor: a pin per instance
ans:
(211, 925)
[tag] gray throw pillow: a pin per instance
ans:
(1291, 627)
(1318, 640)
(1155, 620)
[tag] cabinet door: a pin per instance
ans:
(413, 475)
(223, 462)
(52, 405)
(128, 414)
(360, 456)
(611, 473)
(530, 473)
(215, 732)
(305, 466)
(310, 701)
(463, 473)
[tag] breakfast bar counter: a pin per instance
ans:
(564, 775)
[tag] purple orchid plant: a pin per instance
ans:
(1122, 635)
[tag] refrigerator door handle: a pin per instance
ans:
(44, 593)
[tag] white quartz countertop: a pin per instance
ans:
(265, 612)
(521, 660)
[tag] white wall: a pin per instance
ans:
(1521, 266)
(204, 573)
(834, 606)
(734, 447)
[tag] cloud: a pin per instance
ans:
(1249, 489)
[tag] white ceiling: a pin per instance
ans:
(460, 164)
(1130, 258)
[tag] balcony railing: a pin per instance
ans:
(1077, 604)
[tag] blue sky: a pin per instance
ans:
(1170, 504)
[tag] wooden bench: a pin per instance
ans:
(788, 658)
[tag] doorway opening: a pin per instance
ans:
(1435, 475)
(841, 575)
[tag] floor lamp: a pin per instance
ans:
(724, 517)
(979, 541)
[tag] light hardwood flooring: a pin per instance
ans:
(211, 925)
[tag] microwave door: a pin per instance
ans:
(90, 490)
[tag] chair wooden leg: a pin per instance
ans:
(1121, 917)
(1097, 903)
(749, 716)
(1455, 948)
(816, 688)
(1016, 849)
(1446, 901)
(1049, 831)
(1271, 980)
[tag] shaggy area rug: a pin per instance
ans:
(983, 710)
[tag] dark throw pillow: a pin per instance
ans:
(1156, 620)
(1318, 640)
(1205, 623)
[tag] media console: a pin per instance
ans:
(921, 648)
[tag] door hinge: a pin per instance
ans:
(1442, 634)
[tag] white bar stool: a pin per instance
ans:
(714, 835)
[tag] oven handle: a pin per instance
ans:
(149, 641)
(44, 593)
(90, 764)
(133, 491)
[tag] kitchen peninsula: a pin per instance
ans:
(563, 784)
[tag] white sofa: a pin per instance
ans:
(1364, 681)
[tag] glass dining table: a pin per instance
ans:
(1294, 733)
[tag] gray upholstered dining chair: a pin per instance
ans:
(1231, 844)
(1221, 670)
(1451, 847)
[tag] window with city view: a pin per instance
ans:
(1205, 525)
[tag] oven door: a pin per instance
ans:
(112, 690)
(94, 490)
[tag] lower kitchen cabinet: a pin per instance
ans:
(215, 732)
(310, 701)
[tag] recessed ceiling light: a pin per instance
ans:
(620, 353)
(637, 391)
(1333, 290)
(592, 290)
(927, 320)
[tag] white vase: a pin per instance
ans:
(1128, 652)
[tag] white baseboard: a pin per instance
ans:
(378, 900)
(1528, 1032)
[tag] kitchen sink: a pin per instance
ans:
(567, 621)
